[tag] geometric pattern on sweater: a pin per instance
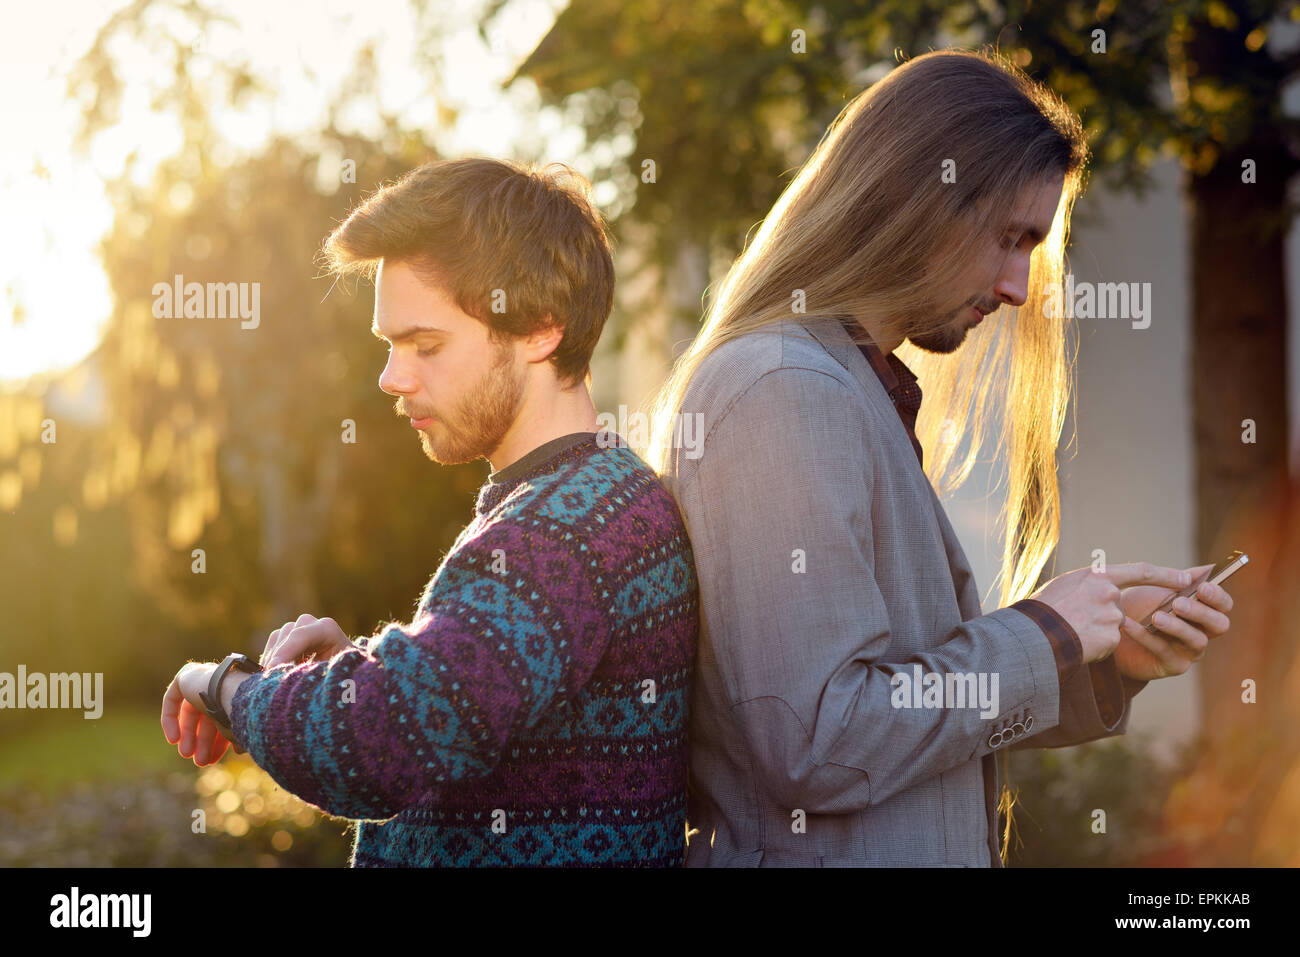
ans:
(511, 722)
(542, 838)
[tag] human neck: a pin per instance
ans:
(544, 415)
(885, 343)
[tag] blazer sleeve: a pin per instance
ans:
(782, 507)
(1095, 703)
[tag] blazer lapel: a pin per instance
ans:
(830, 333)
(835, 339)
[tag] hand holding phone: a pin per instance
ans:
(1151, 648)
(1226, 567)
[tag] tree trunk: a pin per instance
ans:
(1239, 377)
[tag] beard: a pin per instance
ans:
(482, 416)
(946, 337)
(941, 341)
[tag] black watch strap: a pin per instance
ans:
(212, 697)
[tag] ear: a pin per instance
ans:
(538, 346)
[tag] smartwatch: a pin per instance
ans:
(212, 697)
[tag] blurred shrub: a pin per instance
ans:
(147, 822)
(1061, 789)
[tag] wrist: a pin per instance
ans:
(229, 685)
(1132, 685)
(222, 684)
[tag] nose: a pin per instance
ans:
(1012, 286)
(394, 379)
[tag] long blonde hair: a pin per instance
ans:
(910, 182)
(854, 232)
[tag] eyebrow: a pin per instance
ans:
(1034, 233)
(407, 334)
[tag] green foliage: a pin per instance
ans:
(1059, 790)
(59, 749)
(718, 94)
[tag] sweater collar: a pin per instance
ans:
(543, 460)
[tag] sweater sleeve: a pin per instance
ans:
(511, 622)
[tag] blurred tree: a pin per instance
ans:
(217, 434)
(727, 98)
(256, 417)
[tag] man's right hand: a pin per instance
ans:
(306, 637)
(1090, 600)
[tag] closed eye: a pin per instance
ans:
(1030, 237)
(388, 346)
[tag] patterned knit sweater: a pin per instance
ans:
(534, 711)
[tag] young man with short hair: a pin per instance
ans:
(534, 710)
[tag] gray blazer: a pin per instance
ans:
(827, 566)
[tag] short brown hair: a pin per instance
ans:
(494, 233)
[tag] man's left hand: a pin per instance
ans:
(185, 722)
(1183, 635)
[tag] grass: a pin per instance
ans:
(113, 793)
(57, 749)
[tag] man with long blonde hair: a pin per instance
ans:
(850, 694)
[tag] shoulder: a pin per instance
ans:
(589, 494)
(770, 397)
(773, 383)
(604, 514)
(787, 349)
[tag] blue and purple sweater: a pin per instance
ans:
(534, 711)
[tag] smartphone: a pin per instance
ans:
(1215, 576)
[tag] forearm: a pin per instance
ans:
(234, 678)
(327, 732)
(864, 733)
(372, 730)
(1092, 699)
(1094, 704)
